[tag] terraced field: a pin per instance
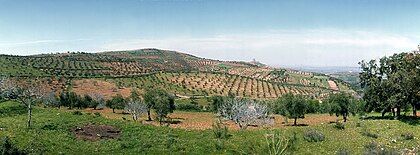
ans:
(203, 84)
(179, 73)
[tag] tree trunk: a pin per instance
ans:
(345, 117)
(148, 115)
(113, 110)
(29, 115)
(398, 111)
(295, 121)
(393, 112)
(414, 110)
(383, 112)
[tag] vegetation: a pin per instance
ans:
(66, 116)
(391, 85)
(341, 104)
(292, 106)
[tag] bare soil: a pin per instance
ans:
(96, 132)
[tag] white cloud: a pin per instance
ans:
(13, 44)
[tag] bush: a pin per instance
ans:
(339, 125)
(407, 136)
(77, 113)
(220, 131)
(11, 108)
(7, 147)
(188, 107)
(49, 127)
(278, 144)
(314, 136)
(374, 148)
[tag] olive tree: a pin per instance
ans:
(117, 102)
(341, 104)
(244, 112)
(98, 100)
(135, 108)
(291, 106)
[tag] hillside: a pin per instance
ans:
(177, 72)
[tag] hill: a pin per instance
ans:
(180, 73)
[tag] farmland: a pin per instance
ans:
(176, 72)
(155, 101)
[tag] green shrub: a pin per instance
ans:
(220, 131)
(278, 144)
(188, 107)
(49, 127)
(11, 108)
(374, 148)
(407, 136)
(314, 136)
(7, 147)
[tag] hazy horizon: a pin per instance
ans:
(278, 33)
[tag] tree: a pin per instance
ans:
(152, 96)
(25, 92)
(341, 104)
(164, 104)
(135, 108)
(117, 102)
(391, 84)
(51, 100)
(244, 112)
(292, 106)
(217, 101)
(98, 100)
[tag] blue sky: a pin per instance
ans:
(279, 33)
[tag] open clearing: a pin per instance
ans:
(52, 134)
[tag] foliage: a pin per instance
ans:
(279, 144)
(135, 108)
(374, 148)
(291, 106)
(188, 107)
(314, 136)
(117, 102)
(314, 107)
(151, 139)
(8, 148)
(244, 112)
(164, 104)
(217, 101)
(220, 130)
(341, 104)
(392, 83)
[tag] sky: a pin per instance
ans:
(279, 33)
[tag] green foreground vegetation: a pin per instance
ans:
(51, 134)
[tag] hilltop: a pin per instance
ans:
(180, 73)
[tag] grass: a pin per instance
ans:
(51, 135)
